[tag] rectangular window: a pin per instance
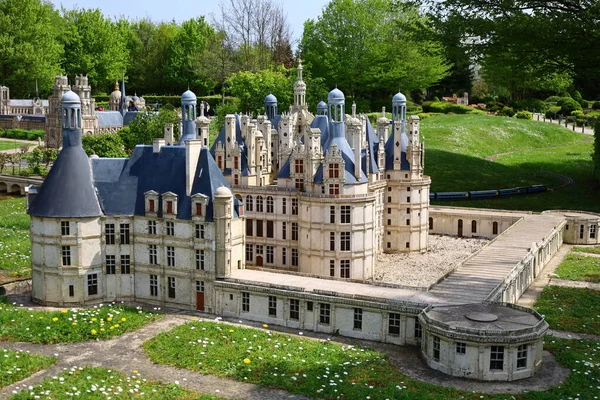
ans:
(418, 329)
(324, 313)
(270, 255)
(66, 255)
(436, 348)
(125, 264)
(111, 265)
(345, 269)
(200, 232)
(334, 170)
(284, 230)
(294, 309)
(294, 206)
(334, 189)
(581, 227)
(259, 227)
(92, 284)
(153, 285)
(71, 291)
(170, 256)
(299, 184)
(151, 227)
(394, 324)
(345, 214)
(284, 206)
(245, 302)
(358, 314)
(332, 268)
(331, 241)
(199, 209)
(124, 233)
(522, 356)
(200, 260)
(249, 252)
(65, 228)
(408, 222)
(497, 358)
(199, 286)
(298, 166)
(171, 287)
(345, 241)
(249, 227)
(272, 306)
(592, 231)
(332, 214)
(109, 233)
(153, 254)
(170, 228)
(270, 233)
(169, 207)
(294, 231)
(461, 348)
(309, 306)
(283, 256)
(294, 257)
(151, 206)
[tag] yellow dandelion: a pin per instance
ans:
(101, 329)
(231, 331)
(116, 325)
(112, 327)
(109, 319)
(54, 319)
(94, 332)
(265, 326)
(93, 319)
(135, 371)
(123, 319)
(41, 317)
(64, 311)
(246, 361)
(74, 323)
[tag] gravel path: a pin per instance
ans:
(422, 270)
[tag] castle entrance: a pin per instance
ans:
(259, 261)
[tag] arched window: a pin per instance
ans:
(249, 203)
(269, 204)
(259, 204)
(430, 222)
(473, 226)
(495, 228)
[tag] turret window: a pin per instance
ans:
(65, 228)
(151, 227)
(294, 206)
(170, 256)
(111, 267)
(345, 269)
(236, 162)
(92, 284)
(109, 233)
(345, 241)
(124, 233)
(299, 166)
(66, 255)
(345, 214)
(334, 190)
(300, 184)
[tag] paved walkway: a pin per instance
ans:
(478, 276)
(31, 143)
(586, 130)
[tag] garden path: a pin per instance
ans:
(541, 118)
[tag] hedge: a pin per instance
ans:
(213, 101)
(22, 134)
(524, 115)
(445, 107)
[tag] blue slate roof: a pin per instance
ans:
(121, 183)
(109, 118)
(68, 191)
(241, 143)
(373, 148)
(129, 116)
(338, 137)
(389, 150)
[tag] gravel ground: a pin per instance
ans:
(421, 270)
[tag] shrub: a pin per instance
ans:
(425, 115)
(576, 96)
(523, 115)
(596, 105)
(553, 99)
(506, 112)
(577, 114)
(476, 111)
(530, 105)
(584, 104)
(444, 107)
(22, 134)
(568, 106)
(494, 106)
(436, 98)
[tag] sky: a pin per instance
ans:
(297, 11)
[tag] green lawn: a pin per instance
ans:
(324, 369)
(530, 153)
(67, 326)
(6, 145)
(18, 365)
(100, 383)
(570, 309)
(587, 249)
(576, 267)
(15, 246)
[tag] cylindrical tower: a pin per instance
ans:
(188, 116)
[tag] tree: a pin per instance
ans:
(40, 158)
(369, 56)
(596, 154)
(94, 45)
(29, 46)
(146, 127)
(107, 145)
(251, 88)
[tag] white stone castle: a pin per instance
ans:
(281, 222)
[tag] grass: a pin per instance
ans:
(527, 152)
(329, 370)
(18, 365)
(590, 249)
(100, 383)
(8, 145)
(68, 326)
(576, 267)
(570, 309)
(15, 245)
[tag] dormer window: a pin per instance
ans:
(334, 170)
(199, 209)
(298, 166)
(151, 202)
(220, 162)
(236, 162)
(199, 203)
(169, 204)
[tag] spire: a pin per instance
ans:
(299, 69)
(122, 105)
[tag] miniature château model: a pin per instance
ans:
(281, 222)
(8, 106)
